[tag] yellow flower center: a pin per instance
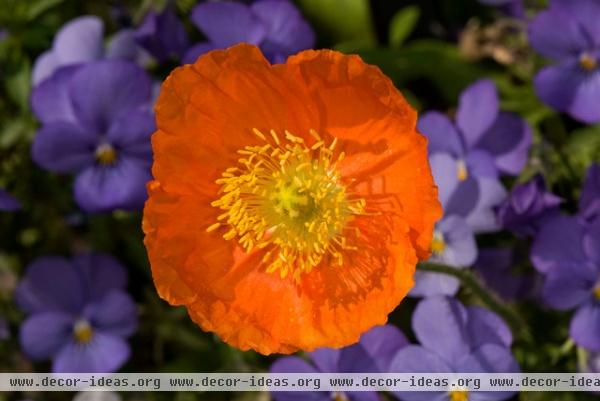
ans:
(106, 154)
(82, 331)
(461, 170)
(588, 62)
(459, 395)
(289, 197)
(339, 397)
(597, 292)
(438, 245)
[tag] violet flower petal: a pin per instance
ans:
(477, 110)
(104, 353)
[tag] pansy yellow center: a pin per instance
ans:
(106, 154)
(459, 395)
(288, 197)
(438, 244)
(597, 292)
(461, 170)
(82, 331)
(588, 62)
(339, 397)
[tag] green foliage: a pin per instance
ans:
(439, 63)
(38, 7)
(583, 148)
(339, 21)
(402, 25)
(428, 66)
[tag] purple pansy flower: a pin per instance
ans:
(473, 198)
(495, 267)
(569, 34)
(467, 208)
(589, 202)
(485, 142)
(97, 124)
(81, 41)
(8, 203)
(453, 245)
(527, 206)
(276, 26)
(373, 353)
(79, 313)
(162, 35)
(459, 339)
(467, 158)
(568, 252)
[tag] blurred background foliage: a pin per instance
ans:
(431, 49)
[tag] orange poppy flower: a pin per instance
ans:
(291, 202)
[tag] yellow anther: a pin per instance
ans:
(438, 246)
(314, 134)
(461, 170)
(438, 243)
(106, 154)
(459, 395)
(259, 134)
(275, 137)
(213, 227)
(588, 62)
(293, 138)
(230, 234)
(317, 145)
(82, 331)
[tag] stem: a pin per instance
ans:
(490, 299)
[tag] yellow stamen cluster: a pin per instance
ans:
(597, 292)
(287, 196)
(82, 331)
(106, 154)
(459, 395)
(461, 170)
(588, 62)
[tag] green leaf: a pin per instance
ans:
(17, 83)
(402, 25)
(38, 7)
(353, 46)
(521, 99)
(340, 20)
(583, 148)
(439, 63)
(14, 131)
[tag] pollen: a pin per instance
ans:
(82, 331)
(459, 395)
(106, 154)
(588, 62)
(461, 170)
(287, 197)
